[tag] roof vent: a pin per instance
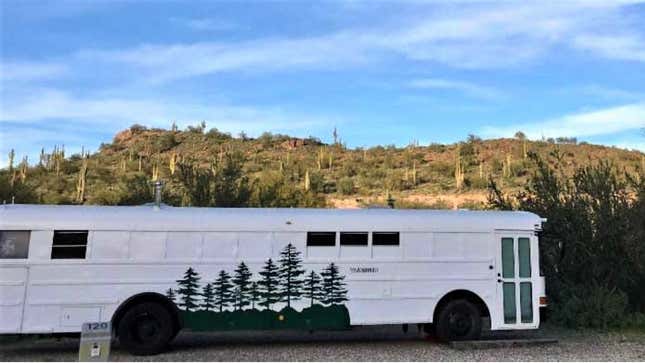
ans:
(158, 188)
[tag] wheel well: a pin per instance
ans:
(146, 297)
(457, 295)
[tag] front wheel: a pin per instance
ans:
(458, 320)
(146, 329)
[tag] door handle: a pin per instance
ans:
(499, 280)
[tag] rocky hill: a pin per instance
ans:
(201, 167)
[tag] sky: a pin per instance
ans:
(381, 72)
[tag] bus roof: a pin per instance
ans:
(166, 218)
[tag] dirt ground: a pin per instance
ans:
(379, 343)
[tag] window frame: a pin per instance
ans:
(28, 242)
(354, 243)
(310, 243)
(59, 246)
(397, 243)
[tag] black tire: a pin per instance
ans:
(146, 329)
(458, 320)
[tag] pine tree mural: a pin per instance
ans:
(290, 273)
(208, 298)
(312, 287)
(170, 294)
(223, 294)
(268, 285)
(242, 281)
(254, 294)
(188, 289)
(333, 286)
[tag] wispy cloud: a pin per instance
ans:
(205, 24)
(623, 47)
(590, 123)
(111, 112)
(468, 88)
(473, 38)
(30, 71)
(606, 93)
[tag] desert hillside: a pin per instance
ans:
(208, 167)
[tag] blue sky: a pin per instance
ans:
(382, 72)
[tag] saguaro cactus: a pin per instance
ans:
(459, 172)
(80, 182)
(24, 164)
(414, 173)
(507, 166)
(12, 155)
(307, 181)
(155, 172)
(320, 157)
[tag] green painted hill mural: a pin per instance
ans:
(240, 301)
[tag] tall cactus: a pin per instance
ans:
(24, 164)
(12, 155)
(155, 172)
(307, 181)
(123, 164)
(507, 166)
(172, 163)
(414, 173)
(80, 182)
(459, 172)
(43, 158)
(320, 157)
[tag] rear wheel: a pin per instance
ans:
(458, 320)
(146, 329)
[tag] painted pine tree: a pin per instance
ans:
(208, 298)
(223, 293)
(170, 294)
(312, 287)
(269, 284)
(188, 290)
(333, 286)
(254, 294)
(290, 274)
(242, 281)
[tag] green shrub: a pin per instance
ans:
(346, 186)
(590, 306)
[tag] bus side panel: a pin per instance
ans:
(13, 278)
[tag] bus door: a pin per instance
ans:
(14, 249)
(516, 292)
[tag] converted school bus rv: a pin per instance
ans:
(152, 271)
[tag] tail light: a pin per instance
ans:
(543, 301)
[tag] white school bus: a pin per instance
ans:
(153, 271)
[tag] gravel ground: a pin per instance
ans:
(381, 343)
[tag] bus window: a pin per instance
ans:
(14, 244)
(69, 245)
(321, 239)
(353, 238)
(385, 238)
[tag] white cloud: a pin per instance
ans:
(30, 71)
(471, 36)
(630, 145)
(591, 123)
(204, 24)
(112, 112)
(623, 47)
(607, 93)
(468, 88)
